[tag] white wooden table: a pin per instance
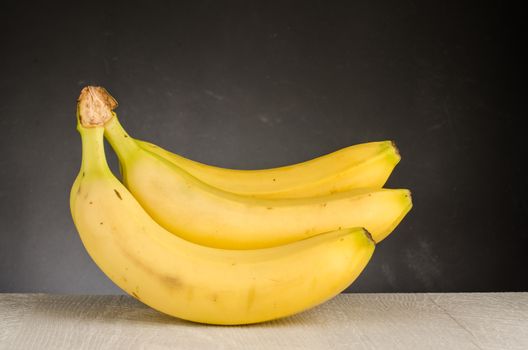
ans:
(349, 321)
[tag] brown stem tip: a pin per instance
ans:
(94, 106)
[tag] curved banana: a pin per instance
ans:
(199, 283)
(206, 215)
(366, 165)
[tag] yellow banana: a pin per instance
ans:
(199, 283)
(367, 165)
(204, 214)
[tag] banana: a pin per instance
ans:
(206, 215)
(367, 165)
(194, 282)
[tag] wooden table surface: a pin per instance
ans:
(349, 321)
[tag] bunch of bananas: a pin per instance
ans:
(225, 246)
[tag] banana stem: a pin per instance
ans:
(93, 153)
(121, 142)
(95, 109)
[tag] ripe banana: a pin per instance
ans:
(194, 282)
(367, 165)
(209, 216)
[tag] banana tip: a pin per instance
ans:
(408, 194)
(395, 147)
(369, 235)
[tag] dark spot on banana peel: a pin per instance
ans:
(83, 174)
(269, 208)
(118, 194)
(79, 190)
(214, 297)
(324, 205)
(91, 202)
(136, 296)
(101, 223)
(126, 135)
(274, 180)
(171, 282)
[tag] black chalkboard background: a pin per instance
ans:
(259, 84)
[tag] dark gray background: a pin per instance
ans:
(255, 85)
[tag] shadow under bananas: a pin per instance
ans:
(364, 309)
(123, 308)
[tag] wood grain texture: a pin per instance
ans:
(358, 321)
